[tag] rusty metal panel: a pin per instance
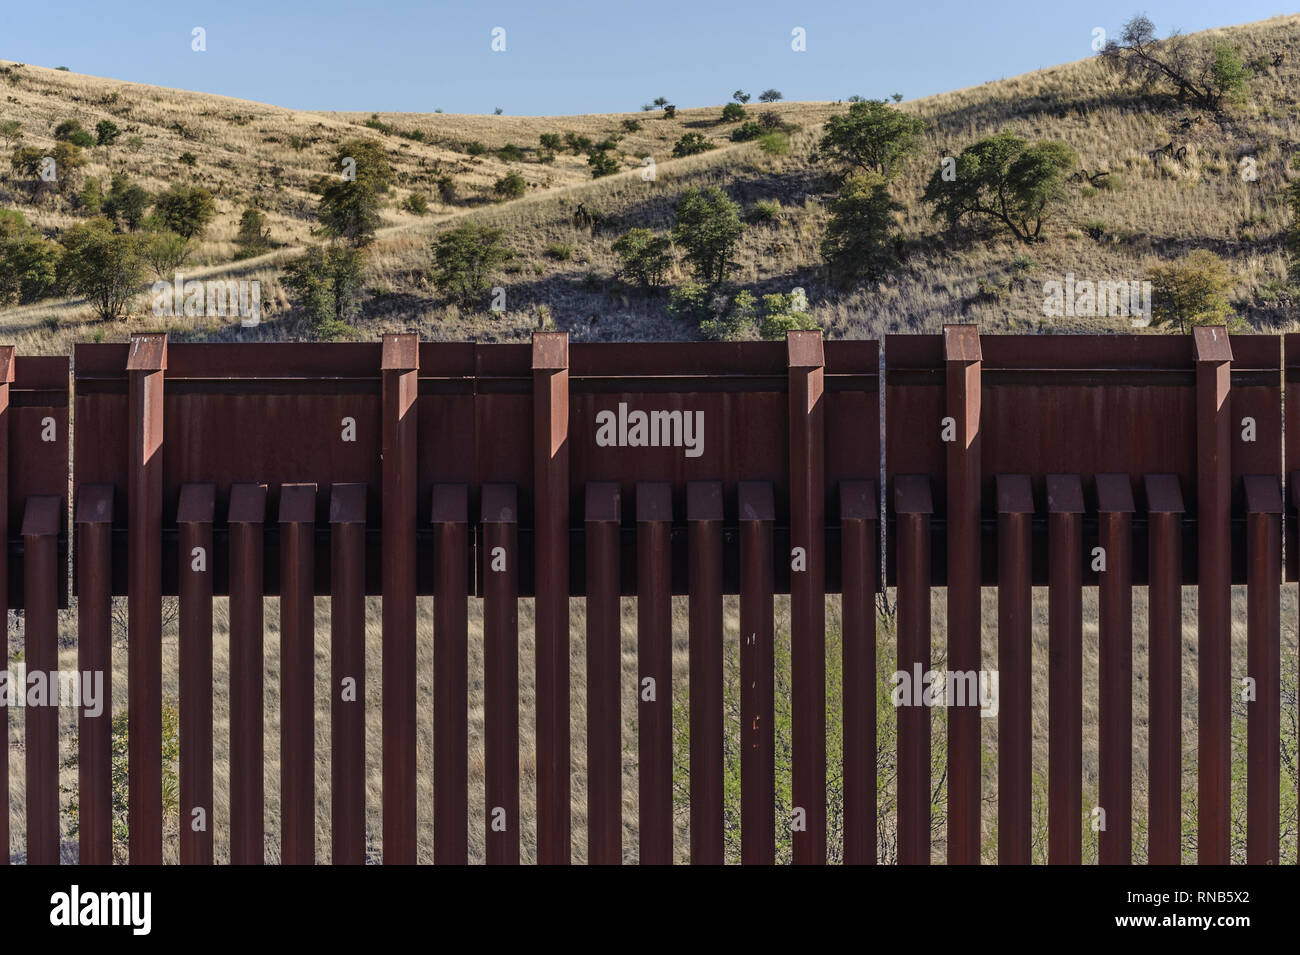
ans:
(1263, 665)
(450, 518)
(194, 518)
(913, 503)
(1115, 629)
(347, 520)
(42, 520)
(602, 514)
(94, 655)
(860, 554)
(1065, 670)
(1015, 503)
(704, 516)
(757, 512)
(297, 520)
(500, 572)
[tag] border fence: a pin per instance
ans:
(405, 470)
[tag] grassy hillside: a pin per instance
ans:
(564, 272)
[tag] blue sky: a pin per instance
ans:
(571, 56)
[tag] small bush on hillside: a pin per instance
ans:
(106, 132)
(733, 113)
(125, 203)
(510, 186)
(602, 164)
(416, 204)
(690, 145)
(746, 131)
(630, 125)
(775, 144)
(644, 257)
(551, 142)
(465, 258)
(510, 153)
(28, 261)
(71, 131)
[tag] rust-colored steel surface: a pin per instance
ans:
(441, 472)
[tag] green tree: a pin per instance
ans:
(349, 207)
(783, 313)
(1203, 75)
(1006, 179)
(708, 227)
(551, 142)
(465, 258)
(740, 96)
(165, 252)
(125, 203)
(872, 137)
(327, 282)
(185, 210)
(1195, 290)
(860, 234)
(733, 113)
(769, 96)
(28, 261)
(644, 257)
(104, 266)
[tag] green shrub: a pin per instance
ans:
(102, 265)
(708, 227)
(1195, 290)
(578, 144)
(165, 252)
(510, 153)
(416, 204)
(559, 251)
(551, 142)
(327, 283)
(690, 145)
(859, 236)
(106, 132)
(119, 736)
(644, 257)
(185, 210)
(733, 113)
(690, 302)
(602, 164)
(785, 313)
(746, 131)
(125, 203)
(71, 131)
(475, 148)
(28, 261)
(765, 210)
(775, 143)
(510, 186)
(630, 125)
(464, 259)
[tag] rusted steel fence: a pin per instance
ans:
(406, 470)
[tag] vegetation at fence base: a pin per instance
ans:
(886, 752)
(119, 774)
